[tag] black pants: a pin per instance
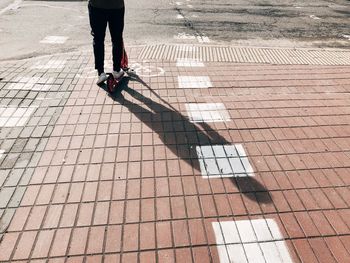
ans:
(98, 22)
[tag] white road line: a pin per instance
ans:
(218, 161)
(194, 82)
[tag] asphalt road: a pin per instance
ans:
(277, 23)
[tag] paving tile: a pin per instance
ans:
(96, 238)
(164, 236)
(7, 245)
(207, 112)
(131, 237)
(147, 236)
(25, 245)
(43, 243)
(166, 256)
(321, 251)
(86, 181)
(20, 217)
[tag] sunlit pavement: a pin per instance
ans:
(194, 160)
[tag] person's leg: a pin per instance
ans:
(98, 23)
(116, 27)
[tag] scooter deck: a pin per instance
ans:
(113, 83)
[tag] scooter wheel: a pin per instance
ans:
(110, 84)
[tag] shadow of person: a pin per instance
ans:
(179, 134)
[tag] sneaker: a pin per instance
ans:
(102, 78)
(118, 75)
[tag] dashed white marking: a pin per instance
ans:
(346, 36)
(250, 241)
(315, 17)
(187, 62)
(54, 40)
(178, 3)
(207, 112)
(31, 83)
(184, 36)
(217, 161)
(180, 16)
(51, 64)
(1, 153)
(194, 82)
(203, 39)
(14, 117)
(190, 6)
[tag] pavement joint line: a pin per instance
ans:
(237, 192)
(219, 218)
(166, 248)
(180, 176)
(181, 218)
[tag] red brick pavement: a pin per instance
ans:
(119, 180)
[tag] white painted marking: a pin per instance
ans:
(190, 6)
(54, 40)
(236, 253)
(186, 62)
(250, 241)
(233, 236)
(246, 231)
(219, 161)
(51, 64)
(223, 254)
(219, 151)
(178, 3)
(270, 252)
(31, 83)
(346, 36)
(15, 5)
(15, 117)
(180, 16)
(261, 230)
(2, 152)
(203, 39)
(184, 36)
(185, 48)
(315, 17)
(194, 82)
(253, 252)
(207, 112)
(147, 70)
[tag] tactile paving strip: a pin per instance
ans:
(247, 55)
